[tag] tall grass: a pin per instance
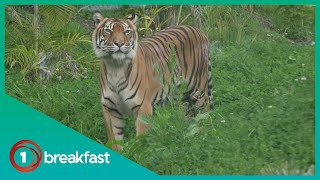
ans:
(227, 24)
(263, 119)
(294, 22)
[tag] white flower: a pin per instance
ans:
(313, 43)
(303, 78)
(223, 121)
(296, 79)
(292, 58)
(67, 91)
(303, 65)
(270, 106)
(78, 91)
(57, 69)
(48, 71)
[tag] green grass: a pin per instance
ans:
(263, 121)
(263, 118)
(75, 103)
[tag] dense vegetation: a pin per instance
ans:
(264, 87)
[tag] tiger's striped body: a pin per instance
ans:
(130, 83)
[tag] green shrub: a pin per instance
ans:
(56, 39)
(228, 24)
(296, 22)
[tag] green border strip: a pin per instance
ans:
(172, 2)
(317, 96)
(151, 2)
(2, 55)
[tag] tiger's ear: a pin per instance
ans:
(133, 18)
(97, 18)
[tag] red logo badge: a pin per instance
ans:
(36, 155)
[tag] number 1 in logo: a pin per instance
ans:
(23, 157)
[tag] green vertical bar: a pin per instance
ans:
(317, 96)
(171, 2)
(2, 46)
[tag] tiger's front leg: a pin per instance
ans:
(114, 125)
(145, 110)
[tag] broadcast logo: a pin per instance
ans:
(25, 156)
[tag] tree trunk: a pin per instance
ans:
(42, 57)
(196, 12)
(172, 14)
(36, 27)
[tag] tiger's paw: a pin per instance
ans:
(115, 145)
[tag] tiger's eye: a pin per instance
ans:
(127, 32)
(108, 31)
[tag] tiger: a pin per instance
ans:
(129, 82)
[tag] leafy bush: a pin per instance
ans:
(298, 21)
(264, 112)
(228, 24)
(295, 22)
(35, 50)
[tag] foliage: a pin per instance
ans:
(264, 112)
(67, 100)
(55, 42)
(58, 16)
(227, 24)
(148, 24)
(295, 22)
(232, 23)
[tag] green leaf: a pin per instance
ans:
(56, 17)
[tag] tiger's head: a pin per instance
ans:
(116, 40)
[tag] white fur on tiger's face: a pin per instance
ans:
(115, 39)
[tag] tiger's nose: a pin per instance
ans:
(119, 44)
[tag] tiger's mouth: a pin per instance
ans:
(118, 55)
(118, 51)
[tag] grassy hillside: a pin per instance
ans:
(264, 116)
